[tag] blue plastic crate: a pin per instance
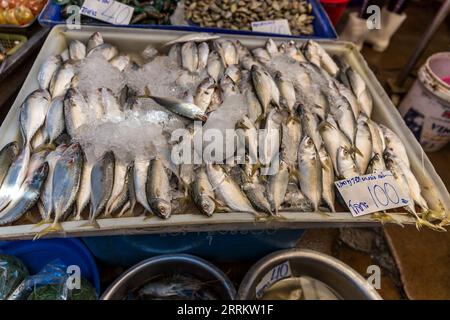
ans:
(323, 29)
(217, 246)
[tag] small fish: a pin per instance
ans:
(269, 141)
(346, 121)
(193, 37)
(248, 137)
(327, 178)
(185, 109)
(255, 192)
(120, 192)
(310, 126)
(7, 156)
(203, 55)
(292, 50)
(346, 166)
(203, 193)
(61, 80)
(234, 73)
(263, 87)
(363, 142)
(215, 67)
(32, 114)
(376, 164)
(47, 70)
(361, 91)
(95, 40)
(77, 50)
(227, 52)
(242, 50)
(121, 61)
(54, 122)
(102, 180)
(287, 92)
(26, 197)
(75, 111)
(247, 62)
(174, 54)
(317, 55)
(158, 189)
(348, 94)
(140, 173)
(394, 144)
(310, 171)
(204, 93)
(255, 110)
(377, 140)
(261, 55)
(228, 87)
(228, 190)
(277, 186)
(105, 50)
(290, 139)
(271, 47)
(84, 192)
(189, 56)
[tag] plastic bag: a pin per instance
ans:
(12, 273)
(53, 283)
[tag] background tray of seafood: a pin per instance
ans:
(135, 40)
(19, 15)
(53, 14)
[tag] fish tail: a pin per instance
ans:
(40, 223)
(55, 227)
(436, 227)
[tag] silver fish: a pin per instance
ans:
(263, 87)
(95, 40)
(228, 87)
(193, 37)
(39, 140)
(255, 110)
(348, 94)
(16, 175)
(216, 100)
(105, 50)
(102, 180)
(77, 50)
(234, 73)
(363, 142)
(55, 122)
(261, 55)
(277, 187)
(120, 192)
(185, 109)
(242, 50)
(46, 208)
(174, 54)
(310, 126)
(158, 189)
(227, 51)
(394, 144)
(75, 109)
(7, 156)
(376, 164)
(140, 173)
(189, 56)
(377, 140)
(310, 171)
(346, 166)
(346, 120)
(269, 141)
(203, 193)
(215, 67)
(327, 178)
(203, 55)
(316, 54)
(47, 70)
(247, 62)
(361, 91)
(255, 192)
(271, 47)
(121, 61)
(248, 137)
(287, 91)
(32, 114)
(290, 139)
(61, 80)
(228, 190)
(294, 52)
(84, 192)
(204, 93)
(333, 139)
(26, 197)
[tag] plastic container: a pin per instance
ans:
(346, 282)
(179, 264)
(11, 42)
(426, 107)
(217, 246)
(51, 16)
(335, 9)
(37, 254)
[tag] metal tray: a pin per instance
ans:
(129, 39)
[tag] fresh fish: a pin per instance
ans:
(346, 121)
(102, 180)
(120, 190)
(61, 80)
(84, 192)
(158, 189)
(75, 111)
(105, 50)
(294, 52)
(394, 144)
(46, 203)
(95, 40)
(377, 140)
(255, 110)
(287, 92)
(310, 126)
(216, 100)
(361, 91)
(47, 70)
(149, 52)
(261, 55)
(277, 187)
(185, 109)
(54, 121)
(26, 197)
(269, 141)
(189, 56)
(203, 193)
(255, 192)
(174, 54)
(310, 171)
(346, 166)
(7, 156)
(242, 51)
(363, 142)
(228, 87)
(350, 97)
(234, 73)
(203, 55)
(247, 62)
(333, 139)
(193, 37)
(77, 50)
(290, 139)
(215, 67)
(204, 93)
(248, 137)
(228, 190)
(317, 55)
(140, 173)
(263, 87)
(121, 61)
(376, 164)
(38, 140)
(227, 52)
(271, 47)
(32, 114)
(16, 175)
(327, 178)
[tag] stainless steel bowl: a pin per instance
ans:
(345, 281)
(170, 264)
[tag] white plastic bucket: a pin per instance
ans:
(426, 107)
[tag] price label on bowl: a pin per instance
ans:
(110, 11)
(279, 272)
(372, 193)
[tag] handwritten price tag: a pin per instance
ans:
(272, 26)
(281, 271)
(109, 11)
(372, 193)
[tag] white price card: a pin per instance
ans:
(109, 11)
(272, 26)
(279, 272)
(372, 193)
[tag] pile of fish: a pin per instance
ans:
(317, 107)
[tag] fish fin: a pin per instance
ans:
(45, 146)
(260, 118)
(354, 149)
(55, 227)
(384, 217)
(40, 223)
(91, 223)
(256, 167)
